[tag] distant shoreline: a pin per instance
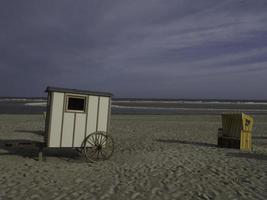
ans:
(162, 100)
(134, 106)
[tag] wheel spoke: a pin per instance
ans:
(94, 139)
(93, 153)
(95, 150)
(98, 139)
(109, 144)
(97, 155)
(90, 142)
(103, 155)
(103, 140)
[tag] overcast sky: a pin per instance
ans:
(135, 48)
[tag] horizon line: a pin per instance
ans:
(150, 99)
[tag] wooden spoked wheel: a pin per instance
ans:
(98, 146)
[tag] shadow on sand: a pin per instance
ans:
(187, 142)
(238, 154)
(248, 155)
(259, 137)
(30, 149)
(39, 132)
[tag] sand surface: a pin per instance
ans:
(156, 157)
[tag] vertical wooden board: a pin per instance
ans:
(242, 141)
(103, 114)
(109, 114)
(67, 131)
(79, 129)
(245, 141)
(91, 115)
(47, 117)
(235, 130)
(250, 141)
(56, 120)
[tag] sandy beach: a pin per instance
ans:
(155, 157)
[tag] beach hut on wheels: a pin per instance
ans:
(78, 119)
(236, 131)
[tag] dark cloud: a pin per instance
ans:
(173, 49)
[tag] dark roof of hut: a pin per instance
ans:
(76, 91)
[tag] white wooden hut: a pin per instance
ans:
(74, 114)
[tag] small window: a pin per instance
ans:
(76, 104)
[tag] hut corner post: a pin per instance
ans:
(41, 152)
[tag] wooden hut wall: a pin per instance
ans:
(69, 129)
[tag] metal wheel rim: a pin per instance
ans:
(101, 147)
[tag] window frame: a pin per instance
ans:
(68, 96)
